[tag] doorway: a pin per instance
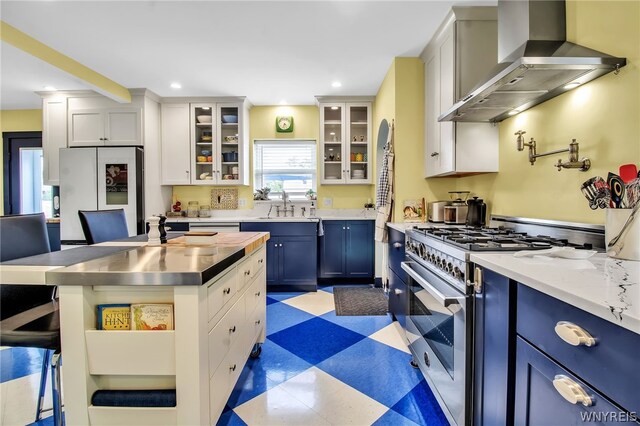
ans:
(24, 188)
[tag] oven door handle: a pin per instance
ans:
(437, 294)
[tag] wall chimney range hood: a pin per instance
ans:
(536, 63)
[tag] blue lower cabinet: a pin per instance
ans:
(53, 229)
(292, 253)
(540, 402)
(398, 298)
(396, 251)
(333, 259)
(347, 249)
(298, 259)
(494, 350)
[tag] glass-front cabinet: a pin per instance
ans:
(218, 144)
(345, 135)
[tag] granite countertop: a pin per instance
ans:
(263, 219)
(606, 287)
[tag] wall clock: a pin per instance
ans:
(284, 124)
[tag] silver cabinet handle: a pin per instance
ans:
(227, 290)
(348, 227)
(258, 322)
(232, 368)
(232, 329)
(397, 292)
(397, 245)
(257, 294)
(248, 272)
(260, 260)
(571, 391)
(574, 334)
(435, 154)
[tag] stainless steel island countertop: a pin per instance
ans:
(147, 265)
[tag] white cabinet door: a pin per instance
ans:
(357, 153)
(432, 108)
(176, 161)
(54, 137)
(447, 98)
(123, 127)
(333, 140)
(86, 127)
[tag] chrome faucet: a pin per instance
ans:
(284, 200)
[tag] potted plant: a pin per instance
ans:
(311, 194)
(262, 194)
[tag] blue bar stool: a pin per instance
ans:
(29, 314)
(103, 225)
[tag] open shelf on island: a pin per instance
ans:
(141, 415)
(131, 352)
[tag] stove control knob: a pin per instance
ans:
(448, 268)
(457, 272)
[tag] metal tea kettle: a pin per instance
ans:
(477, 212)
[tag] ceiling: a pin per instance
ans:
(269, 51)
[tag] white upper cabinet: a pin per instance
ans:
(462, 52)
(105, 126)
(175, 158)
(205, 143)
(345, 142)
(54, 136)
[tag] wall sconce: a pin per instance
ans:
(573, 163)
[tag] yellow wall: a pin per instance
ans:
(262, 126)
(26, 120)
(603, 115)
(401, 97)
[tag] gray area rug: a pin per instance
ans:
(351, 301)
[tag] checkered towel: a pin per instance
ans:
(384, 194)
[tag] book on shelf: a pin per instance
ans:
(152, 316)
(114, 316)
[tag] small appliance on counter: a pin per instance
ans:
(435, 211)
(456, 212)
(476, 213)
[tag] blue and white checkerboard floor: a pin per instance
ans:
(315, 368)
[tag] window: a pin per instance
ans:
(283, 165)
(35, 196)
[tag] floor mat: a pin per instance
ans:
(351, 301)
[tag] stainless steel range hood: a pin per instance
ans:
(535, 63)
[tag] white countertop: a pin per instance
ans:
(606, 287)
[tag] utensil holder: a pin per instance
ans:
(629, 246)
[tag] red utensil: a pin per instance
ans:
(628, 172)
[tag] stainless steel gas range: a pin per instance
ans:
(442, 284)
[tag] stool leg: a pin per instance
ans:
(56, 388)
(46, 358)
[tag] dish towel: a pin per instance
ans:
(320, 228)
(384, 194)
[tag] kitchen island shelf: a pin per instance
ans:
(157, 416)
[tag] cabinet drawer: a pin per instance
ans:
(225, 334)
(538, 402)
(245, 273)
(221, 291)
(611, 365)
(219, 386)
(258, 258)
(396, 252)
(254, 296)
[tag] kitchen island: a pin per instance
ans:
(219, 301)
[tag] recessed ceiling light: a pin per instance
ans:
(283, 102)
(572, 85)
(332, 133)
(334, 108)
(176, 86)
(205, 108)
(50, 88)
(513, 112)
(336, 84)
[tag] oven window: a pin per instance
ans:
(435, 324)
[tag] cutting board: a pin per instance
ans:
(250, 240)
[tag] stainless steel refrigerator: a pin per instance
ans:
(100, 178)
